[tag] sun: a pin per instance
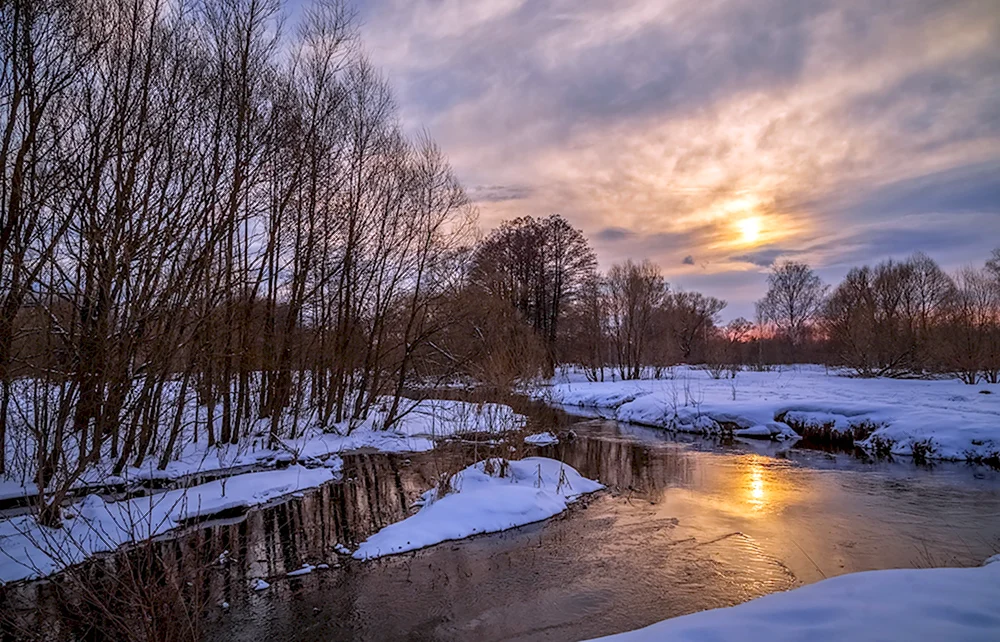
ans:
(749, 229)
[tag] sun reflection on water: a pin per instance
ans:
(757, 484)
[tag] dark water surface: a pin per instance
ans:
(686, 525)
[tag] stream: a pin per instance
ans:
(687, 524)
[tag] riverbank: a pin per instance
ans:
(925, 604)
(924, 419)
(419, 425)
(109, 511)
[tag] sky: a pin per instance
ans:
(714, 137)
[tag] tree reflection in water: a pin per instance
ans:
(687, 524)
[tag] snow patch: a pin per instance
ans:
(925, 604)
(490, 496)
(931, 419)
(541, 439)
(31, 550)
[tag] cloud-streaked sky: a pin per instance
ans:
(715, 136)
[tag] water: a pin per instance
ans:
(687, 525)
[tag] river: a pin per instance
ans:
(687, 524)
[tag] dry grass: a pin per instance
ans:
(151, 592)
(827, 435)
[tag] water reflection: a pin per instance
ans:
(756, 475)
(688, 524)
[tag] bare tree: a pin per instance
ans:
(993, 264)
(690, 320)
(970, 343)
(634, 292)
(586, 339)
(794, 297)
(537, 266)
(881, 321)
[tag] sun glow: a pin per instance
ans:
(749, 229)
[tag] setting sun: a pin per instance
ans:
(749, 229)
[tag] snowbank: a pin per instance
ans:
(487, 497)
(420, 423)
(447, 418)
(541, 439)
(927, 604)
(941, 419)
(93, 526)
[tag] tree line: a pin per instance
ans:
(904, 318)
(895, 319)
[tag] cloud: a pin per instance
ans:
(763, 258)
(841, 129)
(498, 193)
(614, 234)
(688, 260)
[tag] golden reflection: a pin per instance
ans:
(756, 475)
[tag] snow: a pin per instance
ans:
(260, 585)
(541, 439)
(28, 550)
(14, 489)
(421, 422)
(926, 604)
(305, 570)
(487, 497)
(446, 418)
(340, 548)
(939, 419)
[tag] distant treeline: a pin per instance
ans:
(896, 319)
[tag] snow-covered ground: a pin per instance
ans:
(487, 497)
(927, 604)
(421, 423)
(28, 550)
(541, 439)
(937, 419)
